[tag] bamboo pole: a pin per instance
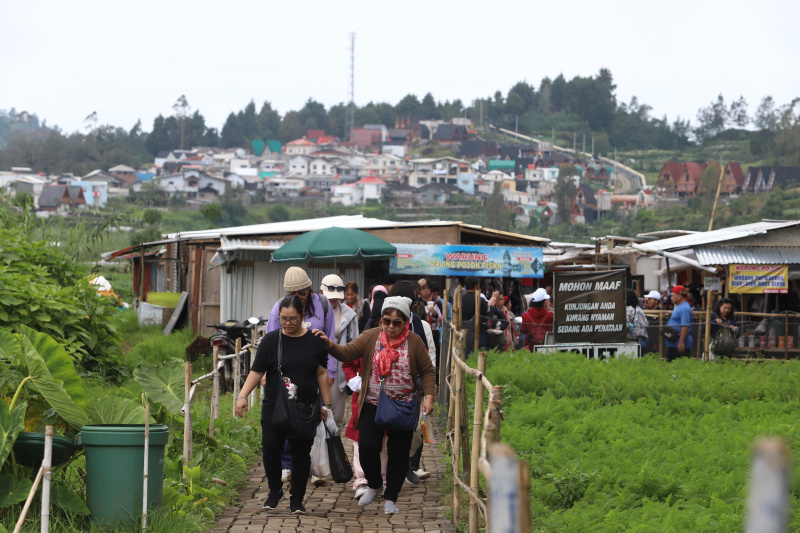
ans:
(660, 337)
(503, 489)
(187, 416)
(492, 429)
(768, 497)
(716, 198)
(785, 336)
(47, 465)
(477, 320)
(444, 355)
(474, 478)
(146, 475)
(709, 298)
(457, 386)
(524, 496)
(215, 392)
(453, 345)
(31, 494)
(235, 364)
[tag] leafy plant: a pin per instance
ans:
(116, 410)
(164, 384)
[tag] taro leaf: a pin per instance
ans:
(2, 529)
(174, 499)
(11, 423)
(115, 410)
(9, 344)
(164, 384)
(12, 491)
(53, 373)
(68, 500)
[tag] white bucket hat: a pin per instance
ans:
(332, 286)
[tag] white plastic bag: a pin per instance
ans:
(320, 465)
(331, 423)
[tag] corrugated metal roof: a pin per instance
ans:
(230, 244)
(748, 255)
(720, 235)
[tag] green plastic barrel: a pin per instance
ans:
(115, 470)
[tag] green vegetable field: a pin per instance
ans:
(643, 445)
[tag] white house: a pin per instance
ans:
(298, 164)
(301, 147)
(437, 170)
(189, 182)
(285, 186)
(369, 188)
(490, 179)
(321, 166)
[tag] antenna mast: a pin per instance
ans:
(351, 112)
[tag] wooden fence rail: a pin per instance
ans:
(504, 510)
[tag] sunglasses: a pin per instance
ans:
(389, 322)
(334, 288)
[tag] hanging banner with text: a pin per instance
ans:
(589, 307)
(758, 279)
(459, 260)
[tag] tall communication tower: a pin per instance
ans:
(351, 112)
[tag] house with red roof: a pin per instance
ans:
(369, 188)
(301, 147)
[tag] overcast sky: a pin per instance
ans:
(132, 60)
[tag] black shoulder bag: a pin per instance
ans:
(296, 418)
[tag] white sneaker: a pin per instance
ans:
(318, 480)
(423, 474)
(360, 491)
(286, 475)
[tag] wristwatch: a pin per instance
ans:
(328, 405)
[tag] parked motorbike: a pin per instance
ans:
(224, 338)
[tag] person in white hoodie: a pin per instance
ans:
(345, 323)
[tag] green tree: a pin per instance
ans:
(515, 105)
(232, 134)
(291, 127)
(182, 112)
(313, 116)
(496, 214)
(211, 212)
(564, 191)
(429, 108)
(268, 122)
(526, 92)
(278, 213)
(409, 105)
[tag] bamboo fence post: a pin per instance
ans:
(187, 416)
(456, 440)
(31, 494)
(235, 365)
(46, 477)
(444, 355)
(147, 461)
(707, 355)
(768, 496)
(215, 392)
(462, 421)
(495, 415)
(477, 419)
(660, 336)
(524, 496)
(451, 401)
(477, 320)
(785, 336)
(503, 508)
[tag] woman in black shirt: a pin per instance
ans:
(304, 362)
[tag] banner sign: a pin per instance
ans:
(462, 260)
(589, 307)
(759, 279)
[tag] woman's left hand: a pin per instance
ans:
(324, 413)
(427, 405)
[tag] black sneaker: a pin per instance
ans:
(273, 500)
(296, 507)
(412, 476)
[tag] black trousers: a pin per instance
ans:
(370, 441)
(673, 353)
(272, 441)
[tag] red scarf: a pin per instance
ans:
(389, 354)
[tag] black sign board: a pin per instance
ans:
(589, 307)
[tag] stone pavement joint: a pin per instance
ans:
(331, 508)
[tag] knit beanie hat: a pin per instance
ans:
(401, 303)
(295, 279)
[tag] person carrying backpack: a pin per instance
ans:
(537, 320)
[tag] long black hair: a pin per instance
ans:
(731, 315)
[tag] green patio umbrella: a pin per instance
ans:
(334, 244)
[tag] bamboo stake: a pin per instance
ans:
(716, 198)
(524, 496)
(465, 450)
(477, 320)
(707, 355)
(31, 494)
(187, 416)
(147, 462)
(235, 363)
(456, 439)
(214, 393)
(492, 429)
(47, 476)
(768, 498)
(474, 478)
(444, 356)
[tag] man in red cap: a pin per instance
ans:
(681, 319)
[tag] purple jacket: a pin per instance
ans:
(317, 321)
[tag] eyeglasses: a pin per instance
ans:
(389, 322)
(334, 288)
(289, 320)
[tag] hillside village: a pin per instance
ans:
(379, 164)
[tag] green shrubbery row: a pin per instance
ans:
(642, 445)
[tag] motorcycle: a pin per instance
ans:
(224, 338)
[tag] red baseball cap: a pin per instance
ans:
(678, 289)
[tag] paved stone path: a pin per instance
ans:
(331, 508)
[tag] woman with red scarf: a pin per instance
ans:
(398, 359)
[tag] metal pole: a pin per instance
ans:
(147, 462)
(47, 476)
(215, 392)
(187, 416)
(477, 420)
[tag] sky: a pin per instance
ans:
(132, 60)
